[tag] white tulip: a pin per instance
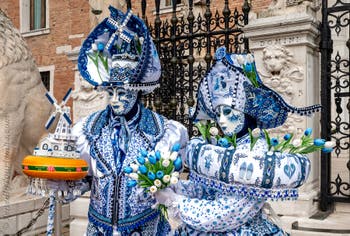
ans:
(157, 183)
(165, 163)
(213, 131)
(256, 132)
(250, 58)
(134, 176)
(174, 180)
(134, 167)
(329, 144)
(94, 47)
(153, 189)
(166, 178)
(175, 174)
(296, 142)
(165, 155)
(173, 156)
(240, 59)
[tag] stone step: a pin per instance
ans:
(336, 224)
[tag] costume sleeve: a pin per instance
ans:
(255, 167)
(266, 169)
(174, 133)
(222, 214)
(189, 189)
(82, 144)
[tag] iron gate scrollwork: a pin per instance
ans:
(185, 46)
(335, 98)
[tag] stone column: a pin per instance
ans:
(284, 42)
(86, 100)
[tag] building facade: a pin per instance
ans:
(52, 29)
(282, 29)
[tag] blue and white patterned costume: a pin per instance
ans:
(119, 57)
(228, 186)
(102, 144)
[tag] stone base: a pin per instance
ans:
(304, 206)
(341, 207)
(79, 211)
(335, 224)
(17, 213)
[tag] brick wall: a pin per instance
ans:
(69, 23)
(256, 6)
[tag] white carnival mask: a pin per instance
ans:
(230, 120)
(121, 100)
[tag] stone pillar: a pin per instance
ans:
(86, 100)
(99, 9)
(284, 42)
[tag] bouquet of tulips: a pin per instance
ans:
(155, 171)
(304, 145)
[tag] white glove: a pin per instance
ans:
(167, 197)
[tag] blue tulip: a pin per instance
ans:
(319, 142)
(287, 137)
(158, 155)
(308, 131)
(223, 142)
(159, 174)
(178, 164)
(248, 67)
(128, 169)
(141, 160)
(132, 183)
(274, 142)
(151, 175)
(144, 152)
(100, 46)
(327, 150)
(176, 147)
(143, 169)
(152, 160)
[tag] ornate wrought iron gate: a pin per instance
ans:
(335, 98)
(185, 45)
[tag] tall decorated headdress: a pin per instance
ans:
(120, 52)
(233, 81)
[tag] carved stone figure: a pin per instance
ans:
(282, 4)
(282, 73)
(87, 100)
(283, 7)
(23, 106)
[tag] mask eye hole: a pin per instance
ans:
(121, 93)
(226, 111)
(110, 91)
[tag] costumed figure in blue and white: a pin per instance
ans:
(119, 57)
(228, 185)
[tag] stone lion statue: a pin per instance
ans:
(282, 73)
(23, 106)
(281, 70)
